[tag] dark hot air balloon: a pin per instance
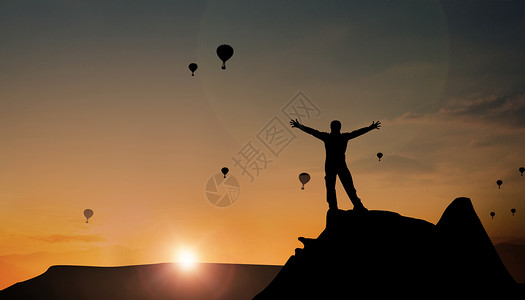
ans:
(88, 213)
(304, 178)
(499, 182)
(513, 210)
(225, 171)
(379, 155)
(224, 52)
(522, 169)
(193, 67)
(492, 214)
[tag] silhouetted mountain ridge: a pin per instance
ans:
(380, 253)
(152, 282)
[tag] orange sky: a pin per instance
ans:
(98, 110)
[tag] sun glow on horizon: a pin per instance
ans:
(186, 259)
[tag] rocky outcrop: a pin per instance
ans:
(379, 253)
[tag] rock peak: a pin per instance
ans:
(390, 254)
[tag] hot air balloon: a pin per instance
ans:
(513, 210)
(88, 213)
(224, 52)
(379, 155)
(304, 178)
(193, 67)
(522, 169)
(492, 214)
(499, 182)
(225, 171)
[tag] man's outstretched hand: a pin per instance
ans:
(295, 123)
(375, 125)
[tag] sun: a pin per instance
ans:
(186, 259)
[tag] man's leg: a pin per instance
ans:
(348, 184)
(331, 197)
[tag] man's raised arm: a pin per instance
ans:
(358, 132)
(306, 129)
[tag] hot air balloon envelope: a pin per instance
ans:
(513, 210)
(499, 183)
(225, 171)
(304, 178)
(522, 169)
(379, 155)
(193, 67)
(492, 214)
(88, 213)
(224, 52)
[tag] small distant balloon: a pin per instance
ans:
(193, 67)
(379, 155)
(88, 213)
(499, 183)
(513, 210)
(304, 178)
(492, 214)
(225, 171)
(522, 169)
(224, 52)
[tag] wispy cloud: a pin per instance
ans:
(61, 238)
(503, 111)
(394, 163)
(506, 110)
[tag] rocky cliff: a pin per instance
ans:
(376, 254)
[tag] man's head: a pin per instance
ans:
(335, 126)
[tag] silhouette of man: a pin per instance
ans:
(335, 144)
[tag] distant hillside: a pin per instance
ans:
(20, 267)
(152, 282)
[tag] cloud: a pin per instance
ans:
(506, 110)
(61, 238)
(502, 111)
(393, 163)
(411, 116)
(480, 143)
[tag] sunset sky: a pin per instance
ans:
(99, 110)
